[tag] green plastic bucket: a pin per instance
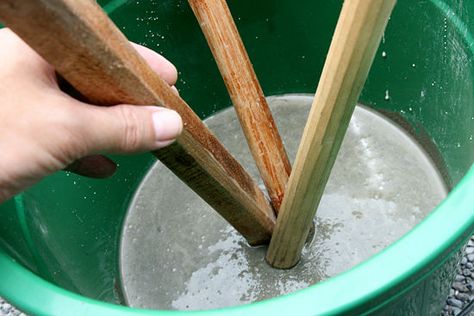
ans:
(59, 240)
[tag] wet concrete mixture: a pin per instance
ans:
(177, 253)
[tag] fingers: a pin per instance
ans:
(117, 129)
(95, 166)
(24, 62)
(159, 64)
(57, 129)
(129, 129)
(126, 128)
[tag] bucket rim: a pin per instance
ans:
(453, 220)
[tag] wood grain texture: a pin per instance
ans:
(254, 114)
(353, 47)
(88, 50)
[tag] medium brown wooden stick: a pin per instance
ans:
(252, 109)
(88, 50)
(355, 41)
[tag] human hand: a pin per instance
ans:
(43, 129)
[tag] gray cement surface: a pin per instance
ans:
(177, 253)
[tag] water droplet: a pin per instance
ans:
(387, 95)
(413, 65)
(384, 54)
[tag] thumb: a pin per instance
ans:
(130, 128)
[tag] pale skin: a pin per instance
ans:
(44, 130)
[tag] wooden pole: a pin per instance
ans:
(88, 50)
(255, 117)
(354, 44)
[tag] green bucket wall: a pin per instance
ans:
(59, 239)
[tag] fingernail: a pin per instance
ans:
(168, 125)
(165, 143)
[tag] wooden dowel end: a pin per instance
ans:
(354, 44)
